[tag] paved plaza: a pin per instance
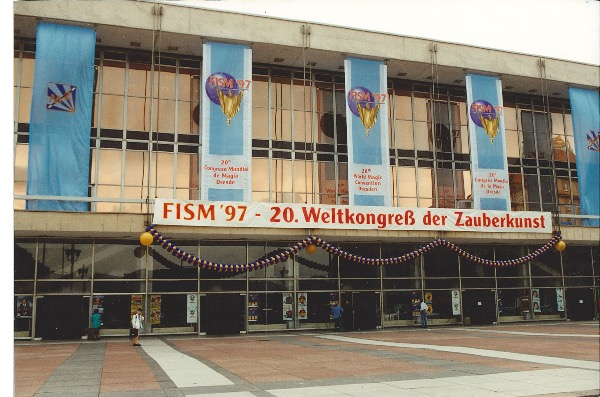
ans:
(528, 359)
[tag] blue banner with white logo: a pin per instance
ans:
(489, 165)
(61, 114)
(226, 122)
(368, 133)
(585, 111)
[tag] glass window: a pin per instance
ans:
(577, 261)
(24, 260)
(119, 260)
(167, 266)
(225, 253)
(69, 260)
(350, 269)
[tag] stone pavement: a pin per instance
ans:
(528, 359)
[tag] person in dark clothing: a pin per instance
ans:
(337, 313)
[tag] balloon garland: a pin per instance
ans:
(286, 253)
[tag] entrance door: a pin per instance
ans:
(361, 310)
(61, 317)
(224, 314)
(479, 306)
(580, 303)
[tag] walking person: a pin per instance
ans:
(423, 314)
(137, 323)
(337, 313)
(95, 324)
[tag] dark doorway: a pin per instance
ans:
(224, 314)
(361, 310)
(580, 304)
(62, 317)
(479, 307)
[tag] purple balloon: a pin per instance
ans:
(220, 81)
(483, 108)
(359, 95)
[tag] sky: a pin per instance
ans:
(560, 29)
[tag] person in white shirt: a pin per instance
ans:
(137, 323)
(423, 314)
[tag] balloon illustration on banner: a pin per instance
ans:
(223, 90)
(362, 104)
(484, 115)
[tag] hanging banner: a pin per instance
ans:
(225, 169)
(293, 216)
(368, 134)
(155, 309)
(61, 109)
(489, 165)
(585, 110)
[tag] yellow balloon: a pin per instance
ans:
(146, 239)
(560, 246)
(311, 248)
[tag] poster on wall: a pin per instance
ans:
(429, 301)
(155, 304)
(489, 164)
(416, 303)
(535, 300)
(192, 309)
(24, 305)
(560, 302)
(288, 310)
(225, 172)
(455, 302)
(252, 307)
(98, 303)
(136, 303)
(368, 133)
(302, 309)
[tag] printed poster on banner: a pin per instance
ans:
(535, 300)
(136, 303)
(155, 306)
(489, 164)
(560, 302)
(225, 172)
(455, 302)
(368, 136)
(252, 308)
(288, 306)
(302, 308)
(321, 216)
(192, 309)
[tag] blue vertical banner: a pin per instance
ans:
(61, 116)
(225, 169)
(368, 133)
(489, 165)
(585, 112)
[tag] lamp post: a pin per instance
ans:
(72, 256)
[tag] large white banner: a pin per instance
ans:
(289, 216)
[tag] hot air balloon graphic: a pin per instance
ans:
(363, 105)
(223, 90)
(484, 115)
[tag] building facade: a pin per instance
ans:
(146, 141)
